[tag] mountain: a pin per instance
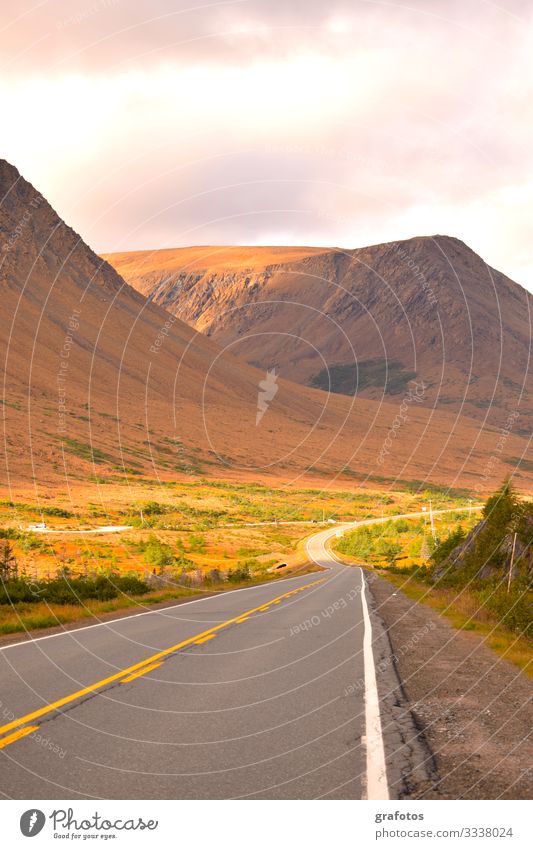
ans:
(100, 384)
(97, 380)
(364, 321)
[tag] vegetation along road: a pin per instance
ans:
(264, 692)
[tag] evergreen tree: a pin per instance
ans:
(8, 561)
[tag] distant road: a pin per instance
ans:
(264, 692)
(352, 524)
(105, 529)
(114, 529)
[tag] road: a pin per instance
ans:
(263, 692)
(104, 529)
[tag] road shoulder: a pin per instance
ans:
(471, 708)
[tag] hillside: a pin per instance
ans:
(361, 321)
(97, 381)
(499, 548)
(495, 560)
(100, 384)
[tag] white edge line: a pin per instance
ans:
(377, 788)
(376, 770)
(66, 632)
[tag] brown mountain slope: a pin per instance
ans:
(99, 382)
(96, 379)
(364, 321)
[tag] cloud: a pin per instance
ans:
(342, 123)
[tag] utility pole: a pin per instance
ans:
(511, 564)
(431, 519)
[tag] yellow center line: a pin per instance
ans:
(65, 700)
(17, 735)
(204, 639)
(142, 671)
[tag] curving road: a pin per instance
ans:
(264, 692)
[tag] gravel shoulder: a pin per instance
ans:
(472, 708)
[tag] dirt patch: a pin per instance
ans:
(472, 708)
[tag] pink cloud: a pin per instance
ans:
(343, 123)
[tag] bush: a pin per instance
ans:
(446, 547)
(157, 553)
(513, 609)
(71, 591)
(154, 508)
(9, 533)
(240, 573)
(197, 543)
(214, 576)
(184, 562)
(131, 585)
(56, 511)
(14, 591)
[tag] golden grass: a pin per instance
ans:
(234, 503)
(463, 612)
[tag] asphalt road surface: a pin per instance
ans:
(266, 692)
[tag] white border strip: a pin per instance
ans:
(376, 770)
(66, 631)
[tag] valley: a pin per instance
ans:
(180, 539)
(228, 444)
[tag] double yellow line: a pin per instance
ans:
(132, 672)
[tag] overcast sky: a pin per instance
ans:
(157, 124)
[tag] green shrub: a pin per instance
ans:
(154, 508)
(512, 608)
(197, 543)
(157, 553)
(71, 590)
(240, 573)
(55, 511)
(9, 533)
(445, 547)
(183, 562)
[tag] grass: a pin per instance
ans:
(520, 463)
(347, 379)
(38, 615)
(462, 609)
(400, 551)
(84, 451)
(206, 522)
(198, 525)
(404, 542)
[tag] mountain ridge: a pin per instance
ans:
(102, 386)
(428, 304)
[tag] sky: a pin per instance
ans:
(154, 124)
